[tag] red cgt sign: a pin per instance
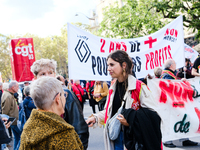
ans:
(22, 57)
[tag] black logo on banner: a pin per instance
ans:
(82, 50)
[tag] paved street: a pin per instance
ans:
(96, 135)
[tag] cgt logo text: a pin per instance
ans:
(25, 50)
(171, 35)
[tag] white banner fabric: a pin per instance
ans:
(190, 53)
(178, 107)
(87, 53)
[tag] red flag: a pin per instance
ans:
(22, 57)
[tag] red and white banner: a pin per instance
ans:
(178, 107)
(22, 57)
(87, 53)
(190, 53)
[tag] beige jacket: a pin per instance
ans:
(9, 105)
(146, 100)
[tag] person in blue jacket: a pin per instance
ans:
(28, 102)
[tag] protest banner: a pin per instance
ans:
(178, 104)
(87, 53)
(190, 53)
(22, 56)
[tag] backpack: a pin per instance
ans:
(22, 118)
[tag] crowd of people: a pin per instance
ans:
(51, 113)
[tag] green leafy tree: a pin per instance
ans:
(5, 63)
(136, 18)
(52, 47)
(190, 9)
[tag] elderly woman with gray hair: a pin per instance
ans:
(73, 113)
(45, 129)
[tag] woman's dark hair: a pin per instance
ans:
(66, 82)
(120, 57)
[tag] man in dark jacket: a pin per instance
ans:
(170, 73)
(73, 113)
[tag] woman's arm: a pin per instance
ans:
(96, 119)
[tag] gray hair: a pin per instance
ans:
(158, 71)
(5, 86)
(12, 83)
(38, 65)
(168, 63)
(27, 90)
(43, 91)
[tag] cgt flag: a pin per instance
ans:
(87, 53)
(22, 57)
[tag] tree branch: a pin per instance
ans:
(187, 5)
(185, 25)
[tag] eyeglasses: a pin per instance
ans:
(60, 95)
(56, 95)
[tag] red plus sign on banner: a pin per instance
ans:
(150, 41)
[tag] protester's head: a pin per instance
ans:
(44, 67)
(158, 72)
(187, 62)
(1, 85)
(5, 86)
(170, 64)
(47, 94)
(98, 82)
(26, 83)
(61, 78)
(77, 82)
(13, 86)
(26, 90)
(119, 64)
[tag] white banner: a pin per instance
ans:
(87, 53)
(190, 53)
(178, 107)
